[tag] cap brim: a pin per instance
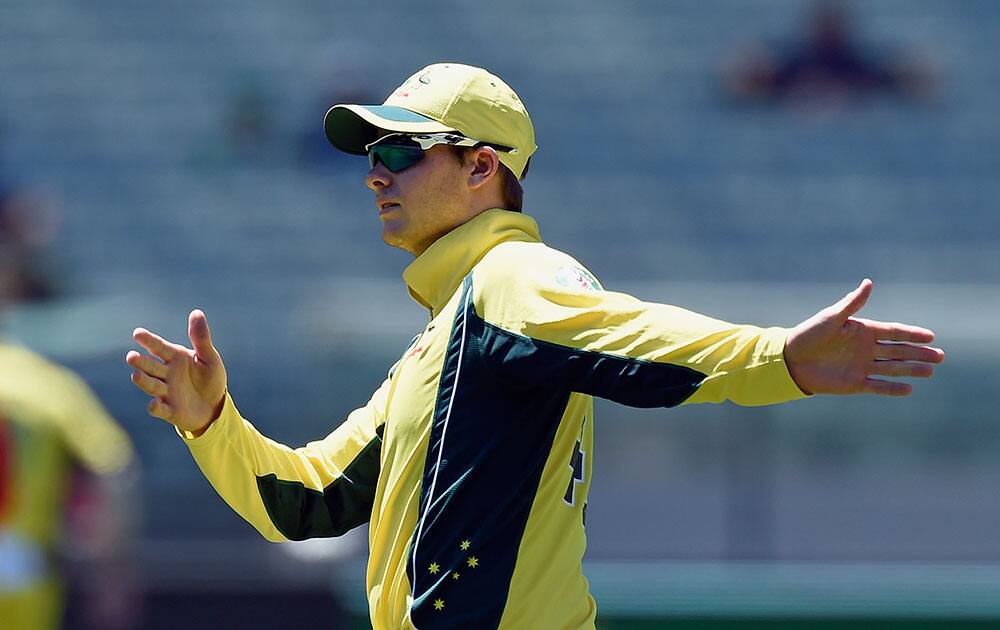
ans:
(351, 128)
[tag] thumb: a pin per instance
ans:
(201, 337)
(853, 301)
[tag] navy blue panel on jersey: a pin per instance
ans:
(487, 449)
(632, 382)
(300, 513)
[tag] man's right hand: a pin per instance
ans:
(188, 386)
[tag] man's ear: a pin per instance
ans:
(485, 164)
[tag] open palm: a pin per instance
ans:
(188, 385)
(834, 352)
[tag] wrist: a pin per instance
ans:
(216, 412)
(793, 369)
(797, 379)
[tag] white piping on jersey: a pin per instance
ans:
(437, 466)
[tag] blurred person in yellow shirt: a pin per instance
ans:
(59, 448)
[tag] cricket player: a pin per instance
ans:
(51, 424)
(472, 460)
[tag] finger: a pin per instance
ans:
(907, 352)
(149, 365)
(901, 368)
(887, 388)
(854, 301)
(148, 384)
(155, 344)
(201, 337)
(894, 331)
(160, 409)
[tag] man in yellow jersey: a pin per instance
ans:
(472, 460)
(50, 424)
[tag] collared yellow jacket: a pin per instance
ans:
(472, 460)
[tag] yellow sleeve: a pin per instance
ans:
(90, 433)
(547, 319)
(54, 398)
(322, 489)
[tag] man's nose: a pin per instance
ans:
(378, 177)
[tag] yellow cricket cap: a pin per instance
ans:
(441, 97)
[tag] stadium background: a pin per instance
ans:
(182, 143)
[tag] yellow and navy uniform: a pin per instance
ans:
(50, 421)
(472, 460)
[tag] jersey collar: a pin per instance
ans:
(435, 275)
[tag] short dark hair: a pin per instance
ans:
(510, 186)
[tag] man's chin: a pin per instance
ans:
(393, 239)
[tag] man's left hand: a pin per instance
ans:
(834, 352)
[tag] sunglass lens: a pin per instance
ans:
(395, 159)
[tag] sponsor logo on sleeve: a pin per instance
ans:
(577, 278)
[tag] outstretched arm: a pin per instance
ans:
(834, 352)
(321, 489)
(551, 322)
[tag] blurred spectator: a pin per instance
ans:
(828, 67)
(66, 473)
(248, 120)
(28, 223)
(246, 131)
(344, 73)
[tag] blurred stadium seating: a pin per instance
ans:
(646, 173)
